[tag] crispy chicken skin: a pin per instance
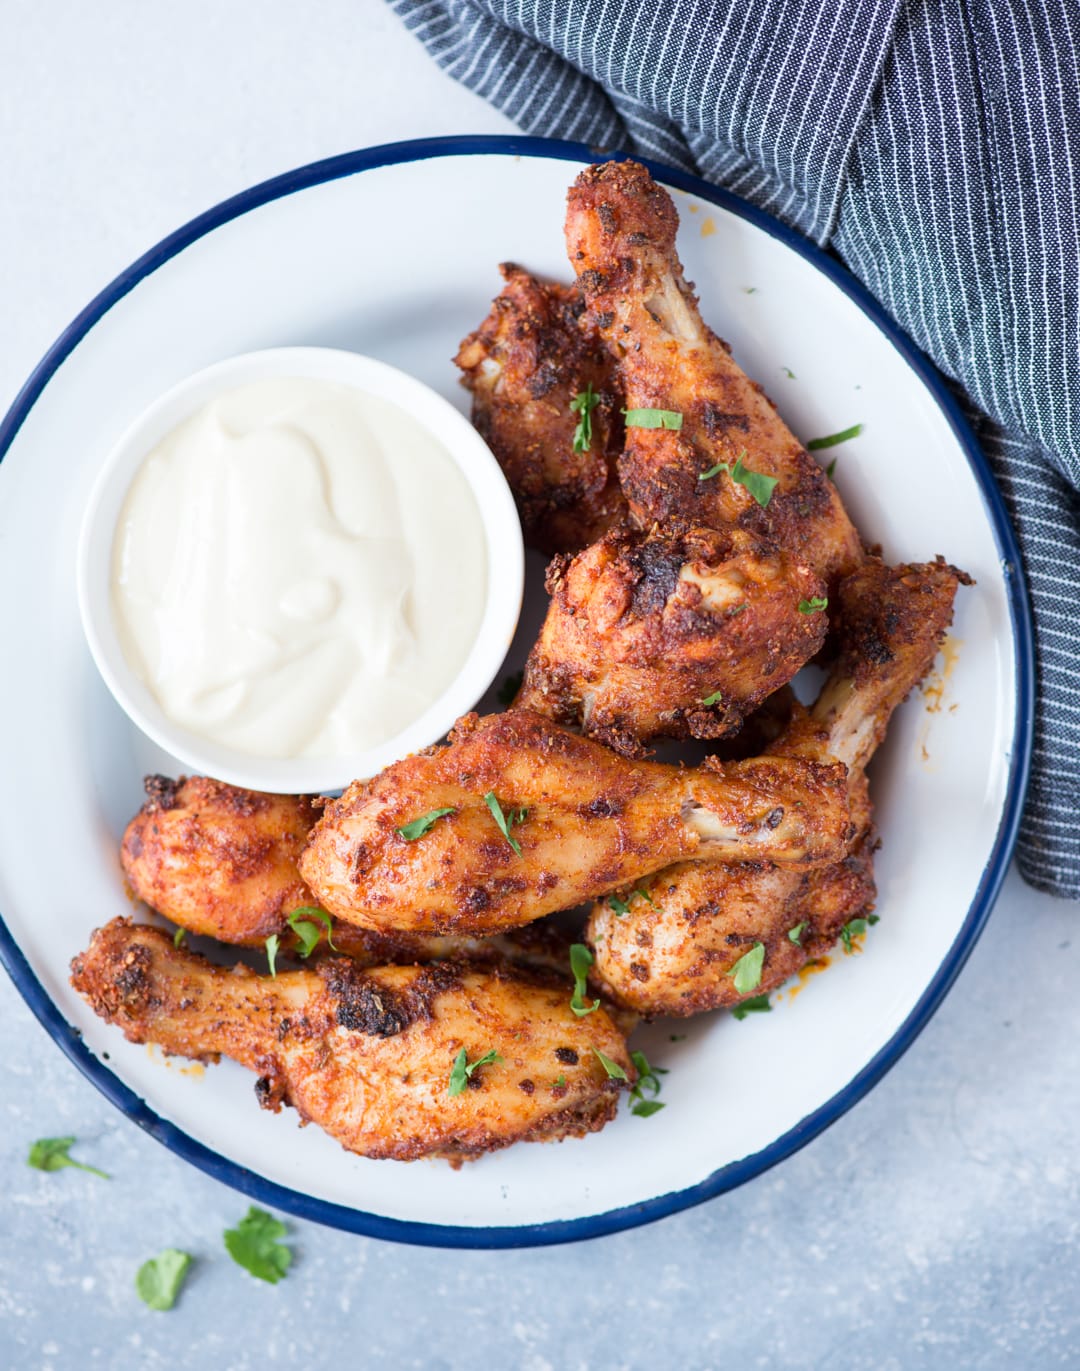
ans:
(620, 235)
(218, 860)
(367, 1054)
(675, 955)
(645, 627)
(533, 353)
(592, 821)
(221, 862)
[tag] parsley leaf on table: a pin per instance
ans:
(253, 1245)
(158, 1280)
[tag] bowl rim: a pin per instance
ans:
(504, 546)
(735, 1173)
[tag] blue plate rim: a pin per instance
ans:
(736, 1173)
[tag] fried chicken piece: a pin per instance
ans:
(221, 862)
(620, 234)
(580, 821)
(674, 950)
(526, 362)
(670, 634)
(368, 1054)
(218, 860)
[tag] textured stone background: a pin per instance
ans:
(934, 1226)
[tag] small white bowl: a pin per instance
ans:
(505, 561)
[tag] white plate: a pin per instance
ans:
(393, 252)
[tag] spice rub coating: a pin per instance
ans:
(585, 820)
(367, 1054)
(218, 860)
(670, 634)
(536, 350)
(674, 950)
(620, 236)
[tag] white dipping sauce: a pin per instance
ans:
(299, 570)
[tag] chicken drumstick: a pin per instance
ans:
(369, 1055)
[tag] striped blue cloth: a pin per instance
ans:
(935, 146)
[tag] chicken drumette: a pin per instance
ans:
(219, 860)
(670, 945)
(524, 365)
(670, 634)
(522, 818)
(368, 1055)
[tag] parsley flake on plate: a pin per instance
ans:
(178, 936)
(653, 418)
(580, 961)
(51, 1154)
(583, 404)
(747, 970)
(758, 1005)
(158, 1280)
(814, 605)
(253, 1244)
(714, 699)
(418, 827)
(831, 439)
(272, 945)
(462, 1070)
(855, 928)
(795, 934)
(506, 821)
(309, 932)
(648, 1081)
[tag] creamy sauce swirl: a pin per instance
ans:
(299, 570)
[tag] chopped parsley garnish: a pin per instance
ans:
(795, 934)
(272, 944)
(622, 907)
(508, 690)
(749, 290)
(653, 418)
(309, 933)
(580, 961)
(789, 373)
(613, 1069)
(561, 1082)
(747, 970)
(761, 487)
(648, 1080)
(462, 1070)
(158, 1281)
(583, 404)
(855, 928)
(831, 439)
(418, 827)
(179, 936)
(758, 1005)
(678, 1037)
(713, 699)
(51, 1154)
(830, 469)
(505, 821)
(253, 1245)
(814, 605)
